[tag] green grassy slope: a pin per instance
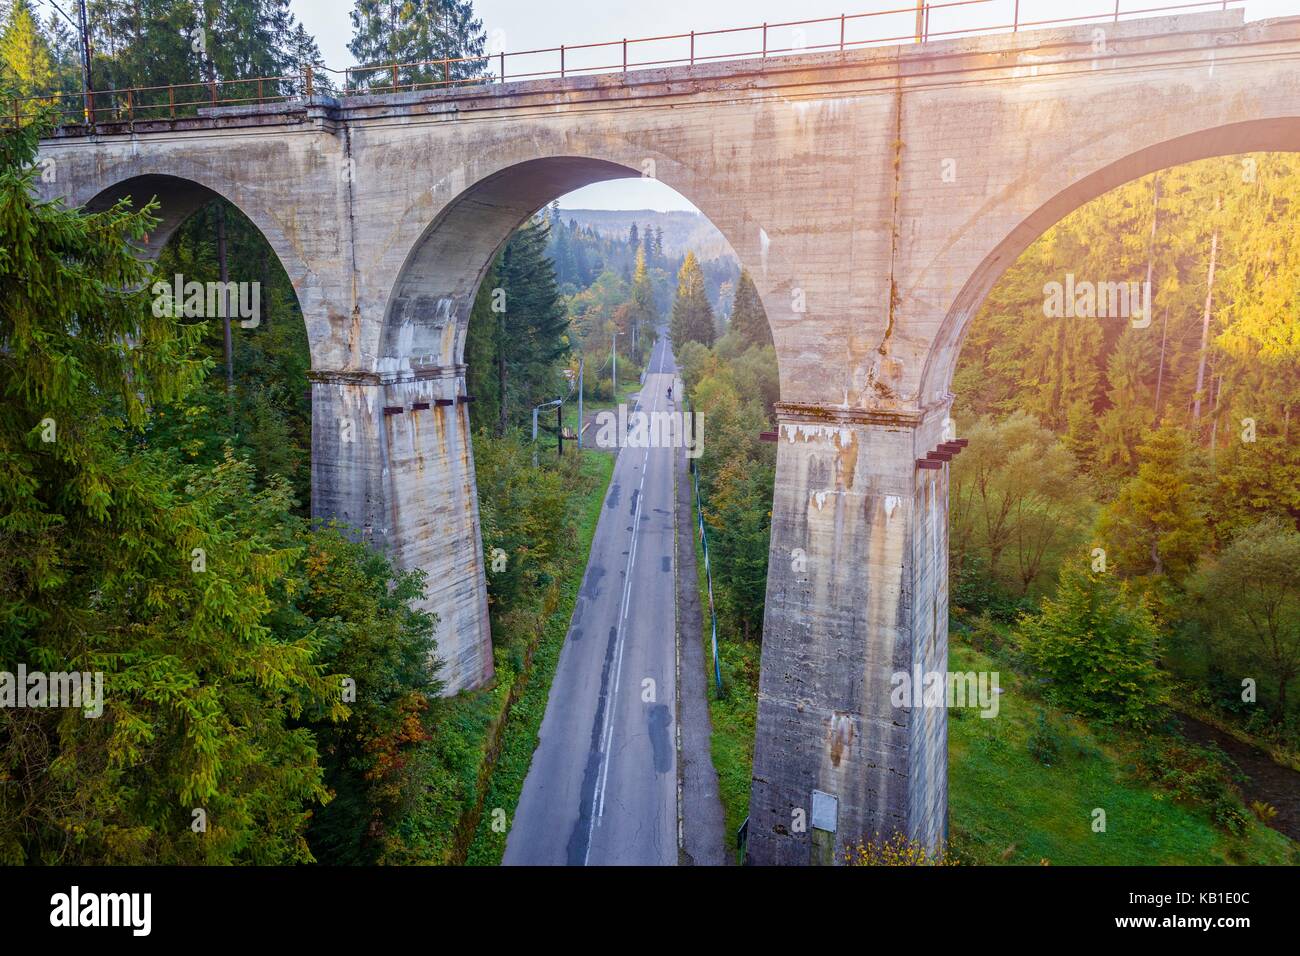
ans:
(1006, 806)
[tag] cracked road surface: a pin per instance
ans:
(602, 787)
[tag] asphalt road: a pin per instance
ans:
(602, 787)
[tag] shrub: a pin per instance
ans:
(897, 850)
(1196, 775)
(1096, 644)
(976, 591)
(1265, 811)
(1044, 742)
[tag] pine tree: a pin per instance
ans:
(122, 560)
(1122, 426)
(64, 51)
(156, 43)
(388, 32)
(1156, 525)
(301, 51)
(644, 314)
(692, 318)
(26, 64)
(748, 317)
(522, 345)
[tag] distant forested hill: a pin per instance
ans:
(682, 231)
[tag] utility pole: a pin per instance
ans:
(613, 351)
(535, 408)
(581, 361)
(86, 85)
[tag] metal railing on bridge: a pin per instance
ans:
(917, 22)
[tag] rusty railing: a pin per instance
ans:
(628, 54)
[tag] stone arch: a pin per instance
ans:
(179, 197)
(427, 313)
(423, 474)
(1268, 135)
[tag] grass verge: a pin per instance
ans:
(733, 712)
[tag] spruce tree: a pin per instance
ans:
(692, 318)
(644, 315)
(748, 317)
(26, 64)
(1156, 525)
(519, 335)
(388, 32)
(121, 559)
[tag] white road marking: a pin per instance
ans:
(598, 798)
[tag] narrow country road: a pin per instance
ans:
(602, 787)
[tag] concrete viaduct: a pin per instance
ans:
(875, 196)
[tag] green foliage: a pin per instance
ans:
(1006, 807)
(1096, 643)
(1249, 597)
(386, 32)
(26, 64)
(367, 629)
(517, 335)
(748, 317)
(1016, 507)
(523, 512)
(739, 516)
(1175, 485)
(1195, 775)
(153, 43)
(1101, 384)
(98, 574)
(643, 314)
(737, 473)
(692, 317)
(1156, 525)
(974, 590)
(266, 417)
(139, 544)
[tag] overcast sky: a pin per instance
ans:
(534, 24)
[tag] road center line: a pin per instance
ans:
(620, 641)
